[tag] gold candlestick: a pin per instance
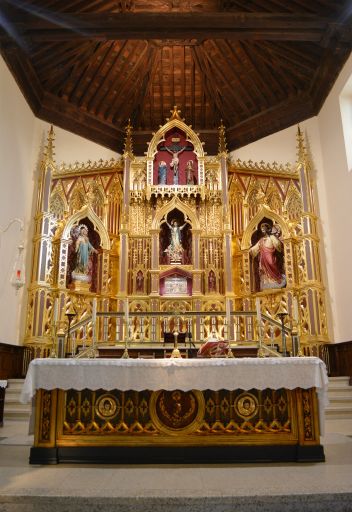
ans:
(125, 354)
(53, 352)
(175, 352)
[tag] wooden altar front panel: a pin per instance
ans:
(176, 426)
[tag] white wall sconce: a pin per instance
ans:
(18, 276)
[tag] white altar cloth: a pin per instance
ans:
(3, 383)
(185, 374)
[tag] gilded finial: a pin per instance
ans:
(222, 139)
(128, 149)
(175, 114)
(49, 148)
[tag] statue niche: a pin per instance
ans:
(267, 257)
(82, 261)
(175, 162)
(175, 240)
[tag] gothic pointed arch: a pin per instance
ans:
(293, 204)
(87, 211)
(175, 203)
(253, 224)
(175, 123)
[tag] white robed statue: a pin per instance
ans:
(175, 249)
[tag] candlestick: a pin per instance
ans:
(125, 354)
(127, 314)
(259, 313)
(94, 310)
(295, 309)
(56, 311)
(175, 353)
(228, 312)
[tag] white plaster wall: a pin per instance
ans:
(17, 140)
(22, 139)
(71, 148)
(333, 185)
(338, 180)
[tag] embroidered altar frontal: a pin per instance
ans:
(176, 426)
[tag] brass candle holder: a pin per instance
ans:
(175, 352)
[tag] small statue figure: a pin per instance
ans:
(175, 162)
(162, 172)
(175, 248)
(83, 249)
(189, 173)
(211, 282)
(139, 281)
(269, 252)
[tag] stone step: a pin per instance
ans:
(338, 412)
(16, 413)
(339, 382)
(340, 394)
(339, 400)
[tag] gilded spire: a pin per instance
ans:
(128, 148)
(222, 139)
(50, 148)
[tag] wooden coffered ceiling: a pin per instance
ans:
(259, 65)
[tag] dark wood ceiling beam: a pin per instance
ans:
(146, 25)
(172, 51)
(139, 90)
(161, 82)
(183, 79)
(95, 70)
(152, 71)
(226, 75)
(25, 76)
(263, 124)
(271, 71)
(292, 80)
(193, 96)
(201, 92)
(292, 60)
(77, 72)
(60, 113)
(102, 91)
(326, 75)
(227, 48)
(261, 75)
(208, 81)
(101, 87)
(256, 88)
(306, 55)
(63, 55)
(127, 83)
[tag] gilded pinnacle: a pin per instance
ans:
(301, 149)
(49, 148)
(128, 148)
(222, 139)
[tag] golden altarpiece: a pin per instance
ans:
(172, 241)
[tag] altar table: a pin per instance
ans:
(177, 410)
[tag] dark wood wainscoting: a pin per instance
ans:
(340, 359)
(14, 361)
